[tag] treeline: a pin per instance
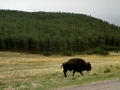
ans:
(52, 33)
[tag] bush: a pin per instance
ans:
(100, 51)
(97, 51)
(67, 53)
(46, 53)
(90, 52)
(107, 70)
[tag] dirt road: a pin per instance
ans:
(111, 85)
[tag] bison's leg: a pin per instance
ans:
(65, 71)
(74, 72)
(81, 73)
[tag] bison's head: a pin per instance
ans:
(88, 66)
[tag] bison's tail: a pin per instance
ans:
(62, 65)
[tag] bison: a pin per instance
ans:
(77, 65)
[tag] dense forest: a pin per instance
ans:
(56, 33)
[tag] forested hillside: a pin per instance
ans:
(53, 33)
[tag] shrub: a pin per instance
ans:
(67, 53)
(107, 70)
(46, 53)
(97, 51)
(90, 52)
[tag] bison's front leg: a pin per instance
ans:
(81, 73)
(65, 71)
(74, 72)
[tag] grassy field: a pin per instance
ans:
(20, 71)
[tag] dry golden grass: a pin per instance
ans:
(20, 71)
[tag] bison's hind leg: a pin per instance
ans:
(74, 72)
(81, 73)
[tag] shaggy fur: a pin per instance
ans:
(77, 65)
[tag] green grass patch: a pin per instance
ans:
(21, 71)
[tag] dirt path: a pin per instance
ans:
(112, 85)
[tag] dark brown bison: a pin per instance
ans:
(77, 65)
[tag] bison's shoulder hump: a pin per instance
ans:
(76, 60)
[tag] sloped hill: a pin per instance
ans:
(51, 32)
